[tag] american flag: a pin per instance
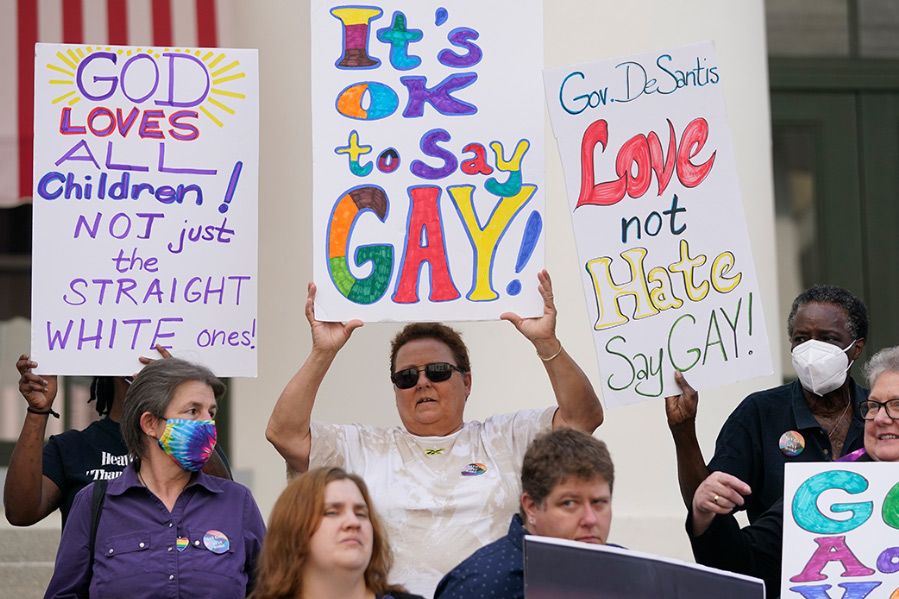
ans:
(163, 23)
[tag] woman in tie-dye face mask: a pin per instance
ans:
(166, 528)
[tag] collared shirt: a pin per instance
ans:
(205, 547)
(748, 445)
(493, 571)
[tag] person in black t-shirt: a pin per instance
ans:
(42, 478)
(813, 419)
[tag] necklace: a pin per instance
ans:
(838, 421)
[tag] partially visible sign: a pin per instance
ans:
(557, 568)
(841, 531)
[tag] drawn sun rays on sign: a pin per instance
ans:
(220, 71)
(219, 75)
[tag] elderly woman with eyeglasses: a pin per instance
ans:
(444, 486)
(163, 528)
(756, 550)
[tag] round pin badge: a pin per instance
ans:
(791, 443)
(216, 541)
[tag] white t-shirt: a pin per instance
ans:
(440, 498)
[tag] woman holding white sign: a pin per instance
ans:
(757, 549)
(437, 480)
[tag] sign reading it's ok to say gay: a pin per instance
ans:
(427, 159)
(145, 207)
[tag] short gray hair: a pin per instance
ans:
(152, 391)
(886, 360)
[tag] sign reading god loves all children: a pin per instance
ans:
(145, 207)
(841, 531)
(427, 159)
(662, 242)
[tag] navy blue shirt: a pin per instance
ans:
(205, 547)
(748, 444)
(75, 459)
(494, 571)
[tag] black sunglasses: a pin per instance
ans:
(437, 372)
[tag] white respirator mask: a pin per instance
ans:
(821, 367)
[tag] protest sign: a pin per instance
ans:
(427, 159)
(655, 204)
(841, 531)
(562, 569)
(145, 207)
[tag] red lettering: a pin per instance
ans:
(478, 164)
(663, 171)
(149, 124)
(100, 112)
(691, 143)
(102, 122)
(638, 158)
(65, 123)
(126, 123)
(424, 243)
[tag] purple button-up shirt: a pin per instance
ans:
(143, 550)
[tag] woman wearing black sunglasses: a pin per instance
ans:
(445, 486)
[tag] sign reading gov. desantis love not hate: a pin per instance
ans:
(655, 204)
(145, 207)
(427, 159)
(841, 531)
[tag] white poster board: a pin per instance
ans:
(655, 204)
(841, 531)
(427, 159)
(145, 207)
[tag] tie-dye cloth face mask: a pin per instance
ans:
(189, 442)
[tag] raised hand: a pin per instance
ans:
(681, 409)
(540, 330)
(327, 336)
(38, 391)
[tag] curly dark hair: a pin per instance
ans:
(431, 330)
(856, 311)
(103, 392)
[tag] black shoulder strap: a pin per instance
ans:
(99, 494)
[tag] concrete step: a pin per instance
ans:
(26, 560)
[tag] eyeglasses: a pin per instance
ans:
(436, 372)
(869, 409)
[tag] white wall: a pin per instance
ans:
(507, 375)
